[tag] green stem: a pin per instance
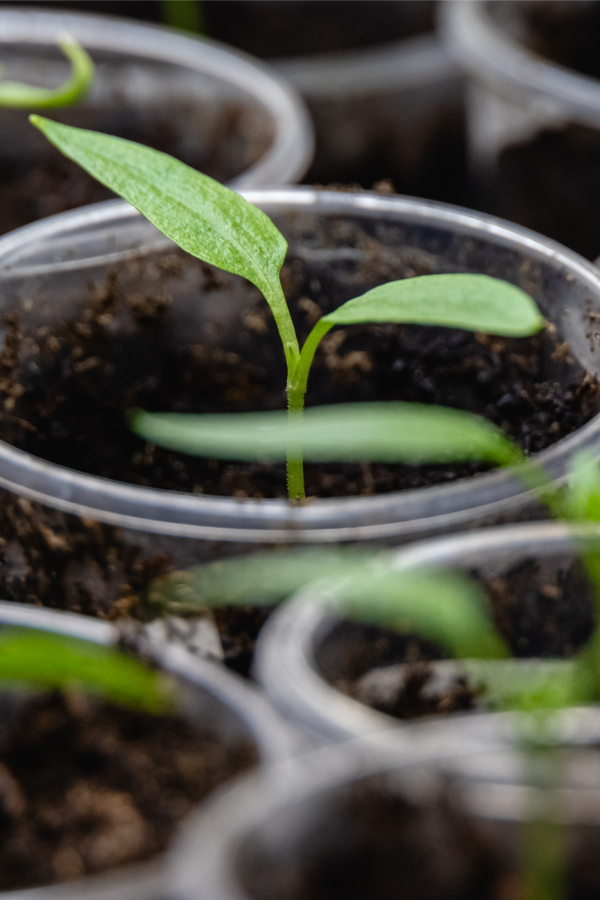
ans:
(544, 841)
(296, 390)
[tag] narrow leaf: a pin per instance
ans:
(583, 490)
(444, 606)
(474, 302)
(25, 96)
(381, 432)
(51, 661)
(202, 216)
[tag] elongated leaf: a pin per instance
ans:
(475, 302)
(527, 685)
(34, 657)
(441, 605)
(26, 96)
(383, 432)
(202, 216)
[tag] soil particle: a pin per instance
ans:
(86, 786)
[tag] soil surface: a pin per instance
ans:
(541, 610)
(87, 786)
(408, 836)
(374, 841)
(66, 389)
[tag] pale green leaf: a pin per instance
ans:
(53, 661)
(25, 96)
(583, 490)
(441, 605)
(204, 217)
(380, 432)
(474, 302)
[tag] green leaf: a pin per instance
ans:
(25, 96)
(526, 685)
(475, 302)
(202, 216)
(54, 661)
(380, 432)
(444, 606)
(582, 502)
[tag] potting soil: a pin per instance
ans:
(87, 786)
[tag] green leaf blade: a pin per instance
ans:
(204, 217)
(473, 302)
(410, 433)
(52, 661)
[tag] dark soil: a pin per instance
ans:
(287, 28)
(405, 835)
(541, 610)
(66, 390)
(374, 840)
(551, 183)
(88, 786)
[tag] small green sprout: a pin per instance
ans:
(25, 96)
(218, 226)
(52, 661)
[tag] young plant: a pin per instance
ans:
(25, 96)
(218, 226)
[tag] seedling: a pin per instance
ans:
(25, 96)
(218, 226)
(52, 661)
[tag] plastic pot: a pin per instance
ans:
(47, 271)
(337, 820)
(536, 589)
(393, 110)
(220, 703)
(533, 125)
(215, 108)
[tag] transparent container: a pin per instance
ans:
(530, 573)
(342, 815)
(394, 110)
(533, 125)
(212, 107)
(220, 703)
(51, 271)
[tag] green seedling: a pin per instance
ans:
(218, 226)
(51, 661)
(25, 96)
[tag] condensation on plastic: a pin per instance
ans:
(281, 816)
(46, 269)
(287, 652)
(147, 64)
(214, 698)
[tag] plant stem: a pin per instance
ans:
(544, 839)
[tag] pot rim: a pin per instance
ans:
(274, 742)
(285, 663)
(506, 66)
(324, 520)
(199, 863)
(291, 150)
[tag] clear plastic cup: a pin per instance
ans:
(303, 648)
(533, 125)
(395, 110)
(213, 107)
(46, 271)
(220, 703)
(274, 834)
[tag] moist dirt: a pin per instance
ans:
(87, 786)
